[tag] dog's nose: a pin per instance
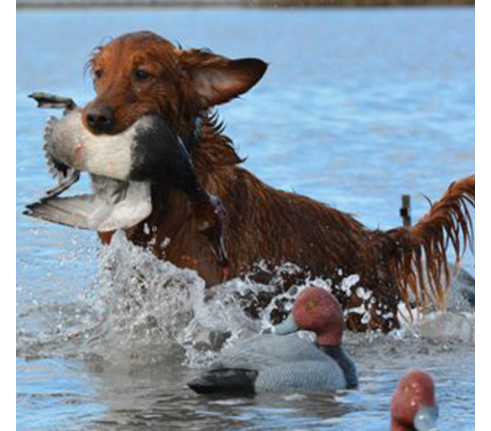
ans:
(100, 120)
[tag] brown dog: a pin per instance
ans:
(142, 73)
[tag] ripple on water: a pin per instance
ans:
(363, 106)
(144, 325)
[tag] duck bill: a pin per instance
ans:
(288, 326)
(425, 419)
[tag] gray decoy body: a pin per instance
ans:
(271, 363)
(282, 362)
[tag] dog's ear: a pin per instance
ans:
(217, 79)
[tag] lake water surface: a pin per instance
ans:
(357, 108)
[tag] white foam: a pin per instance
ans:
(144, 310)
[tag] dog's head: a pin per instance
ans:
(142, 73)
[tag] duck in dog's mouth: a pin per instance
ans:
(122, 168)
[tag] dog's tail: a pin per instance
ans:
(419, 257)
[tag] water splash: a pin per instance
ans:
(141, 310)
(146, 310)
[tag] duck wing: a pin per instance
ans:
(267, 350)
(121, 206)
(65, 174)
(324, 375)
(77, 211)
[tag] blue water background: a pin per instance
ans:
(357, 108)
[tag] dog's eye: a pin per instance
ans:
(142, 75)
(98, 74)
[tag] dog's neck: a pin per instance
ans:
(211, 149)
(195, 134)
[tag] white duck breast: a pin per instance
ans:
(68, 141)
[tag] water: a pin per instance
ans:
(357, 108)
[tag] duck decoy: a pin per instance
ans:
(413, 406)
(282, 361)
